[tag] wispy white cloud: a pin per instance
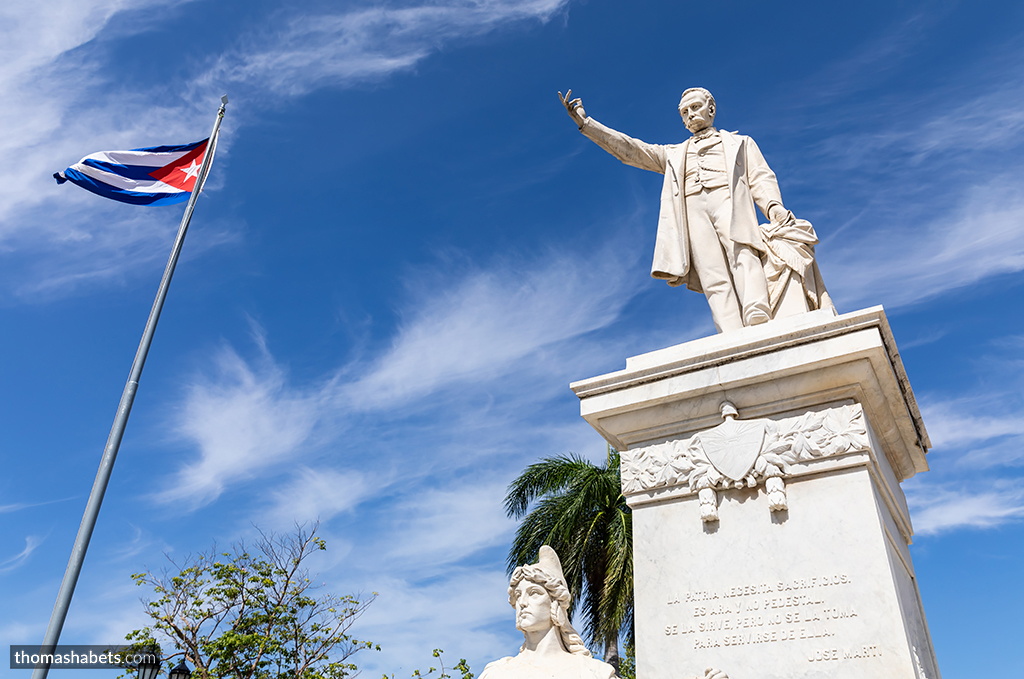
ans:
(18, 506)
(241, 419)
(512, 318)
(1008, 452)
(937, 509)
(925, 337)
(963, 422)
(316, 494)
(489, 319)
(980, 431)
(45, 94)
(339, 49)
(134, 540)
(953, 140)
(979, 440)
(20, 632)
(907, 263)
(427, 485)
(986, 121)
(447, 525)
(929, 181)
(58, 103)
(458, 612)
(31, 543)
(873, 59)
(118, 599)
(433, 565)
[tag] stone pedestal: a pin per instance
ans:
(770, 531)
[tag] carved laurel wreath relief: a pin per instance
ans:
(740, 453)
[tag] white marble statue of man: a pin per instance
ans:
(708, 234)
(551, 649)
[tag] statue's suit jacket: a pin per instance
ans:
(751, 182)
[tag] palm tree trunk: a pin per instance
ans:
(611, 653)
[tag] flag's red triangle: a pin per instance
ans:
(183, 172)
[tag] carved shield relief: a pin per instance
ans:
(733, 446)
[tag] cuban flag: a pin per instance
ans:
(158, 175)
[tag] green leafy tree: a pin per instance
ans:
(627, 667)
(578, 509)
(253, 613)
(443, 673)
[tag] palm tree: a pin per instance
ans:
(579, 510)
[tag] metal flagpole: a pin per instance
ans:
(124, 409)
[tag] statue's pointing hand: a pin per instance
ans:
(574, 107)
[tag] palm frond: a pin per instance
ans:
(578, 509)
(550, 475)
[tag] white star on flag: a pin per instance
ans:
(190, 171)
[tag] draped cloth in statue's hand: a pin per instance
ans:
(790, 252)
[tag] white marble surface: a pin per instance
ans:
(747, 454)
(778, 369)
(551, 648)
(819, 592)
(708, 236)
(801, 568)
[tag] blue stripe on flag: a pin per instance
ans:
(126, 171)
(131, 197)
(173, 149)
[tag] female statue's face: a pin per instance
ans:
(533, 607)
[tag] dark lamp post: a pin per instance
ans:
(180, 672)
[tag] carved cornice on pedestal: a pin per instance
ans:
(761, 449)
(789, 365)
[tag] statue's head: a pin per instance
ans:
(539, 594)
(697, 108)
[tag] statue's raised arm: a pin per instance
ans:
(708, 237)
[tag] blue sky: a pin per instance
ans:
(406, 252)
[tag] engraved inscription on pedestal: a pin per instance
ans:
(806, 594)
(816, 608)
